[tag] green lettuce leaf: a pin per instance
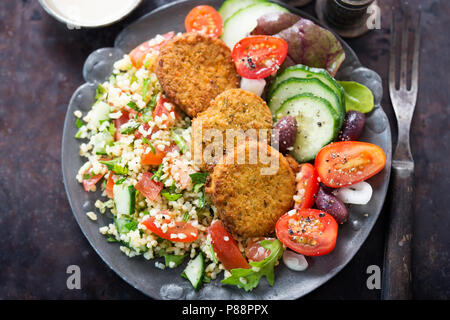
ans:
(357, 96)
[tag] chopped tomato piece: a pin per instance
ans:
(110, 185)
(89, 184)
(205, 20)
(153, 158)
(309, 232)
(257, 57)
(156, 158)
(226, 247)
(124, 118)
(138, 54)
(148, 187)
(255, 252)
(345, 163)
(307, 186)
(181, 232)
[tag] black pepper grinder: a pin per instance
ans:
(348, 18)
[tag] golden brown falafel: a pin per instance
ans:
(248, 202)
(233, 109)
(193, 69)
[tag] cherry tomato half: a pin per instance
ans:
(184, 231)
(345, 163)
(309, 232)
(257, 57)
(307, 186)
(225, 247)
(138, 54)
(205, 20)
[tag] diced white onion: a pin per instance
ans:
(253, 85)
(294, 261)
(359, 193)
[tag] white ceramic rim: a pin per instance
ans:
(76, 24)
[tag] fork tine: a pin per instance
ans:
(392, 58)
(404, 54)
(415, 63)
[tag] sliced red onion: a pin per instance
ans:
(359, 193)
(253, 85)
(294, 261)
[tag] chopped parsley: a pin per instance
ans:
(145, 141)
(179, 141)
(158, 173)
(129, 127)
(111, 163)
(124, 225)
(100, 92)
(79, 123)
(198, 181)
(133, 105)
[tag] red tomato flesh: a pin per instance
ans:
(188, 232)
(138, 54)
(226, 247)
(110, 185)
(124, 118)
(257, 57)
(205, 20)
(148, 187)
(89, 184)
(345, 163)
(309, 232)
(307, 186)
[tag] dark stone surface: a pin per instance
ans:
(40, 67)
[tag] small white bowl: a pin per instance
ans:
(72, 15)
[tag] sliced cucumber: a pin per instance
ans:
(124, 199)
(317, 124)
(229, 7)
(195, 271)
(242, 22)
(295, 86)
(305, 72)
(100, 141)
(100, 111)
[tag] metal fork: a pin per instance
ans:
(397, 280)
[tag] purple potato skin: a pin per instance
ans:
(353, 126)
(332, 205)
(274, 22)
(285, 131)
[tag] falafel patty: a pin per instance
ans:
(248, 202)
(193, 69)
(232, 109)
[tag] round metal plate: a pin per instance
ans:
(168, 284)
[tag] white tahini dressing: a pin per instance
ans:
(91, 12)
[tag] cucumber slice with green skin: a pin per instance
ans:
(124, 199)
(295, 86)
(195, 271)
(242, 22)
(229, 7)
(305, 72)
(317, 124)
